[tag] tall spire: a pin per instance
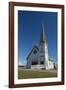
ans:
(42, 34)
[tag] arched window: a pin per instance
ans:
(35, 51)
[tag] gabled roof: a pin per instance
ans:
(32, 50)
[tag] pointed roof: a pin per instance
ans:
(42, 34)
(32, 51)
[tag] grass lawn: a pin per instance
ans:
(26, 73)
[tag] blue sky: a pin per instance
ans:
(29, 28)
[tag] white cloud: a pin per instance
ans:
(21, 63)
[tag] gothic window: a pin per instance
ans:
(35, 51)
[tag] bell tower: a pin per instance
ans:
(43, 49)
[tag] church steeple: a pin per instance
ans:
(42, 34)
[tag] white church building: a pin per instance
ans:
(38, 57)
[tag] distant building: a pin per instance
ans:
(21, 66)
(38, 57)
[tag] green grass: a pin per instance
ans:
(25, 74)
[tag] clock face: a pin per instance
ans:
(35, 51)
